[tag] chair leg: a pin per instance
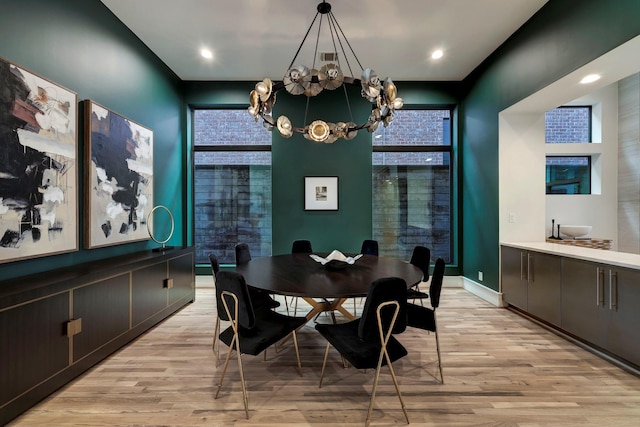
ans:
(235, 344)
(373, 390)
(295, 344)
(395, 383)
(439, 359)
(216, 331)
(245, 398)
(224, 368)
(384, 354)
(324, 363)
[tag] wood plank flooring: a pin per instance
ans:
(500, 370)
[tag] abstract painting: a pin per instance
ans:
(119, 177)
(38, 167)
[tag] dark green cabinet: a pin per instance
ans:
(531, 281)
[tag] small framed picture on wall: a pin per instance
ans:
(320, 193)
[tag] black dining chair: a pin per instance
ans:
(425, 317)
(298, 247)
(368, 342)
(421, 258)
(301, 247)
(251, 332)
(369, 247)
(259, 298)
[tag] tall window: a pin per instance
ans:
(232, 184)
(412, 190)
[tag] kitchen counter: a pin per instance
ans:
(619, 259)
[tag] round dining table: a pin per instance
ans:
(324, 288)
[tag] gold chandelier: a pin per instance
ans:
(302, 80)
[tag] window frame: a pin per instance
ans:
(589, 108)
(589, 169)
(453, 169)
(214, 148)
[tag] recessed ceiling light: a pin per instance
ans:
(437, 54)
(590, 78)
(206, 53)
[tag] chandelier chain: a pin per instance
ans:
(304, 39)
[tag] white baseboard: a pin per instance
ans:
(487, 294)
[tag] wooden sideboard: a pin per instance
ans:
(57, 324)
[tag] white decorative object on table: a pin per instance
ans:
(335, 259)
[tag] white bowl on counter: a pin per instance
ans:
(575, 231)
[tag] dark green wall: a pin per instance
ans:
(562, 37)
(82, 46)
(79, 44)
(295, 157)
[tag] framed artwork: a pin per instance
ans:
(38, 166)
(320, 193)
(119, 177)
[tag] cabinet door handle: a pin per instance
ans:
(613, 302)
(530, 277)
(599, 286)
(521, 265)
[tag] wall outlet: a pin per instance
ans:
(480, 276)
(512, 217)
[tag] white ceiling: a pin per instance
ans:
(252, 39)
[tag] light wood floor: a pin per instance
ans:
(500, 370)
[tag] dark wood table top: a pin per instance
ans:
(299, 275)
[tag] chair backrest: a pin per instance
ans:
(421, 258)
(301, 247)
(234, 283)
(436, 283)
(243, 253)
(215, 265)
(380, 291)
(369, 247)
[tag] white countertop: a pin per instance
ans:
(619, 259)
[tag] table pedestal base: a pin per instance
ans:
(318, 307)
